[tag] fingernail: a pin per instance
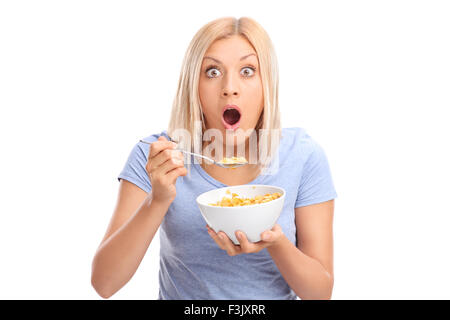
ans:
(239, 235)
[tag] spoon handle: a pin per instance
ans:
(196, 155)
(187, 152)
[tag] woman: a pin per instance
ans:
(229, 81)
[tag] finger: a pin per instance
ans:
(277, 228)
(267, 236)
(175, 173)
(177, 154)
(230, 247)
(160, 145)
(246, 246)
(162, 157)
(165, 173)
(169, 165)
(271, 235)
(215, 237)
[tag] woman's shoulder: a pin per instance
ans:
(294, 132)
(299, 145)
(134, 169)
(297, 137)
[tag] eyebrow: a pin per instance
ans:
(244, 57)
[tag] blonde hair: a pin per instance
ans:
(186, 109)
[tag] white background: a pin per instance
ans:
(82, 81)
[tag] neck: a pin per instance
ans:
(236, 176)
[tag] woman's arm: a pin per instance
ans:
(122, 250)
(136, 219)
(308, 268)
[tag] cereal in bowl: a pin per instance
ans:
(236, 201)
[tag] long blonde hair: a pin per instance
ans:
(186, 108)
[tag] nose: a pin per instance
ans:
(227, 93)
(230, 87)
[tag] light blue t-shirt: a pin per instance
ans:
(192, 266)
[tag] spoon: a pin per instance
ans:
(218, 163)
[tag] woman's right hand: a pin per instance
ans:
(164, 166)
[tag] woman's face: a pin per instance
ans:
(230, 87)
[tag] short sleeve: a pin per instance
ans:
(134, 170)
(316, 184)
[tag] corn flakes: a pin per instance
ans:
(236, 201)
(233, 160)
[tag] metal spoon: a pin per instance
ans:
(220, 164)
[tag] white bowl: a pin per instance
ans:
(251, 219)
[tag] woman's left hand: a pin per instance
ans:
(268, 238)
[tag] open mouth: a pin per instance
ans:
(231, 117)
